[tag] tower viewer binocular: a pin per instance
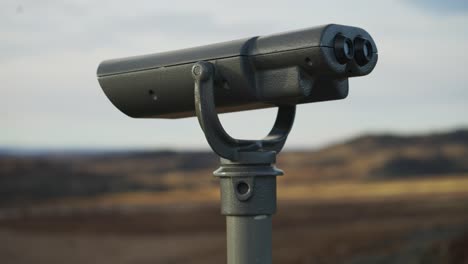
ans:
(295, 67)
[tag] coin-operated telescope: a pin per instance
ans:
(280, 70)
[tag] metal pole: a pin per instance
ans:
(249, 239)
(248, 199)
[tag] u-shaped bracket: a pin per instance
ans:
(219, 140)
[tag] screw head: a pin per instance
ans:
(196, 69)
(201, 70)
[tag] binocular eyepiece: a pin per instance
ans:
(296, 67)
(363, 51)
(346, 49)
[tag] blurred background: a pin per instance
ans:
(380, 177)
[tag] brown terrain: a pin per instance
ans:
(373, 199)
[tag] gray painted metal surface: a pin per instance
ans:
(248, 199)
(249, 239)
(294, 67)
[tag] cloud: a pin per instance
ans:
(441, 7)
(50, 51)
(63, 26)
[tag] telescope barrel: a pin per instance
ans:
(295, 67)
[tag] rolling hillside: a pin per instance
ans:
(26, 179)
(373, 199)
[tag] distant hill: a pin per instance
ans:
(25, 178)
(386, 156)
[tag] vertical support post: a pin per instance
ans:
(248, 199)
(249, 239)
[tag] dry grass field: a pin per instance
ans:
(416, 221)
(375, 199)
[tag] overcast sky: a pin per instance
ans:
(50, 49)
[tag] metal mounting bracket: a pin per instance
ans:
(237, 150)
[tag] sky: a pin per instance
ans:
(50, 50)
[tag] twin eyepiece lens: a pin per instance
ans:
(345, 50)
(364, 51)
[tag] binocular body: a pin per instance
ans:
(296, 67)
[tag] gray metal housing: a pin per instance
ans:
(282, 69)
